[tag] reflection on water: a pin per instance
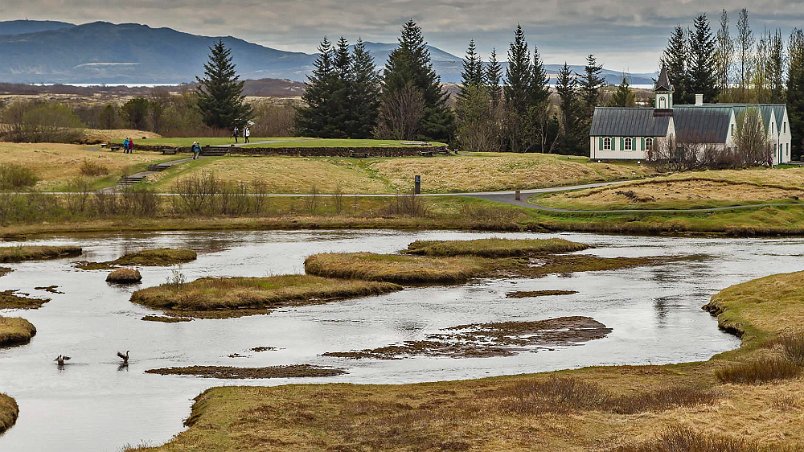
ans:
(94, 403)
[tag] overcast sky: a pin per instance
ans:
(624, 35)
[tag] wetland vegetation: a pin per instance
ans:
(236, 373)
(13, 254)
(161, 257)
(11, 299)
(15, 331)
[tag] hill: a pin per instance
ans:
(106, 53)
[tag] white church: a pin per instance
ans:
(623, 133)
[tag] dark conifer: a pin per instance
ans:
(472, 74)
(702, 77)
(365, 92)
(494, 78)
(220, 92)
(675, 58)
(590, 83)
(315, 117)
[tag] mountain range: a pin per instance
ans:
(106, 53)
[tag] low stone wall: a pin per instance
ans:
(380, 151)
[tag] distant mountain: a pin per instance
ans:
(18, 27)
(105, 53)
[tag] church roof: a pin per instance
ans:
(628, 122)
(663, 83)
(702, 124)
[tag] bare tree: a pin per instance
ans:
(400, 114)
(724, 50)
(745, 41)
(751, 139)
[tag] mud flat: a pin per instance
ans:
(236, 373)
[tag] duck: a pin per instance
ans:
(61, 359)
(123, 357)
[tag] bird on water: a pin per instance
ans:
(61, 359)
(123, 357)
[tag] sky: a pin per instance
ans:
(623, 35)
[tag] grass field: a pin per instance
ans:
(58, 165)
(689, 190)
(444, 174)
(633, 408)
(282, 142)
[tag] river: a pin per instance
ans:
(91, 405)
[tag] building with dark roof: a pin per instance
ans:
(622, 133)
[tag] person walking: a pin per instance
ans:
(246, 134)
(125, 146)
(130, 146)
(196, 150)
(235, 133)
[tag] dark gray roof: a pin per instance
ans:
(628, 122)
(703, 124)
(663, 82)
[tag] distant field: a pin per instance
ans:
(443, 174)
(689, 190)
(56, 165)
(280, 142)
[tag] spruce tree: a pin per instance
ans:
(701, 77)
(624, 96)
(567, 89)
(314, 119)
(675, 59)
(365, 91)
(341, 115)
(494, 78)
(518, 75)
(220, 92)
(409, 65)
(590, 84)
(795, 89)
(472, 74)
(539, 82)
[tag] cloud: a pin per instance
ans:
(624, 34)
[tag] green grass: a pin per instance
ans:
(32, 253)
(281, 142)
(229, 297)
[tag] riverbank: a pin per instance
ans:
(632, 407)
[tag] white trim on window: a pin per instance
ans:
(628, 144)
(607, 144)
(648, 144)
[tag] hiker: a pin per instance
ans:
(125, 146)
(246, 134)
(235, 132)
(196, 150)
(130, 146)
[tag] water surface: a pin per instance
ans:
(91, 405)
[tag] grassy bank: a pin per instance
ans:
(160, 257)
(228, 297)
(8, 412)
(443, 174)
(628, 407)
(9, 254)
(434, 213)
(15, 331)
(282, 142)
(689, 191)
(494, 247)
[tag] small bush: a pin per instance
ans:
(793, 346)
(15, 177)
(679, 438)
(759, 370)
(408, 205)
(90, 168)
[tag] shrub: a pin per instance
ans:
(793, 346)
(14, 177)
(759, 370)
(679, 438)
(409, 205)
(90, 168)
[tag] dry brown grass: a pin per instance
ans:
(494, 247)
(57, 165)
(124, 276)
(634, 408)
(15, 331)
(33, 253)
(118, 135)
(237, 373)
(400, 269)
(759, 370)
(8, 412)
(689, 190)
(496, 171)
(243, 296)
(10, 300)
(159, 257)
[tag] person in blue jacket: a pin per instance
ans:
(125, 146)
(196, 150)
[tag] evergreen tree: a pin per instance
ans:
(539, 82)
(409, 65)
(315, 118)
(220, 92)
(724, 51)
(472, 74)
(776, 67)
(624, 96)
(518, 75)
(341, 91)
(702, 77)
(365, 91)
(795, 89)
(590, 84)
(494, 77)
(675, 59)
(745, 45)
(572, 132)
